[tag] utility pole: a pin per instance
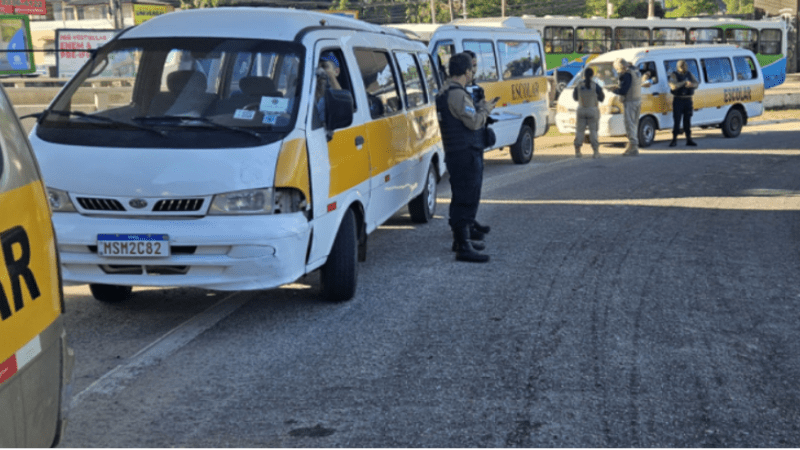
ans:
(464, 3)
(433, 11)
(450, 5)
(503, 9)
(651, 9)
(116, 14)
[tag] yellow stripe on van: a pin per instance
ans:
(28, 268)
(292, 168)
(349, 165)
(516, 91)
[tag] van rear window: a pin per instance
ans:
(718, 70)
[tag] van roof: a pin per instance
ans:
(247, 23)
(633, 54)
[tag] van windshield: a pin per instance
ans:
(604, 75)
(181, 93)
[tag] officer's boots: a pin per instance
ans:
(464, 249)
(631, 150)
(595, 152)
(689, 140)
(577, 151)
(674, 140)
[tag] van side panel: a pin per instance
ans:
(349, 164)
(292, 167)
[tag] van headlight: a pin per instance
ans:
(59, 200)
(259, 201)
(610, 109)
(250, 201)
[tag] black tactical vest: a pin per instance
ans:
(455, 135)
(682, 91)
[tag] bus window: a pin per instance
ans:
(744, 38)
(770, 43)
(630, 37)
(705, 36)
(487, 65)
(593, 39)
(558, 40)
(442, 53)
(669, 36)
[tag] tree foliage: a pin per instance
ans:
(196, 4)
(690, 8)
(622, 8)
(739, 6)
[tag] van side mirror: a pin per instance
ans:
(339, 108)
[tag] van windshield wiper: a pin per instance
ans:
(105, 119)
(187, 120)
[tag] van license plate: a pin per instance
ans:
(133, 245)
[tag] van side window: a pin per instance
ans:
(648, 71)
(332, 63)
(431, 80)
(672, 66)
(718, 70)
(745, 68)
(443, 51)
(487, 65)
(412, 81)
(519, 59)
(379, 82)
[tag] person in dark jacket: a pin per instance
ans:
(461, 124)
(682, 84)
(630, 89)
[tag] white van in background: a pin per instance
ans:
(731, 90)
(511, 66)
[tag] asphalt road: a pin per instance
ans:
(645, 302)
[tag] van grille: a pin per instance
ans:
(174, 205)
(100, 204)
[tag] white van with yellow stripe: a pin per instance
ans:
(35, 362)
(730, 92)
(511, 66)
(196, 150)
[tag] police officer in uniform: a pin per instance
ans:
(477, 231)
(588, 95)
(461, 124)
(682, 84)
(630, 88)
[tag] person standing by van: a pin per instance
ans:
(682, 84)
(477, 231)
(461, 124)
(588, 95)
(630, 89)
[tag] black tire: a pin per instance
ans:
(109, 293)
(522, 150)
(339, 273)
(647, 131)
(423, 206)
(732, 126)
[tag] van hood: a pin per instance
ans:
(154, 172)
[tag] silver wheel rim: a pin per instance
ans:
(431, 191)
(527, 145)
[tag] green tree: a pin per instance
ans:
(195, 4)
(622, 8)
(739, 6)
(690, 8)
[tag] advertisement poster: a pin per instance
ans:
(144, 12)
(15, 43)
(35, 7)
(74, 48)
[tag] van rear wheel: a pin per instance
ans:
(339, 273)
(522, 150)
(733, 124)
(109, 293)
(647, 131)
(423, 206)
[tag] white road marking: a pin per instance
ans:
(119, 377)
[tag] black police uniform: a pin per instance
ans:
(464, 160)
(682, 106)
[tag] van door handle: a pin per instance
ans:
(359, 142)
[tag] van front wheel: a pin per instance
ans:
(339, 273)
(647, 131)
(733, 124)
(522, 150)
(110, 293)
(423, 206)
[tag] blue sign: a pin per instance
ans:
(18, 60)
(564, 61)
